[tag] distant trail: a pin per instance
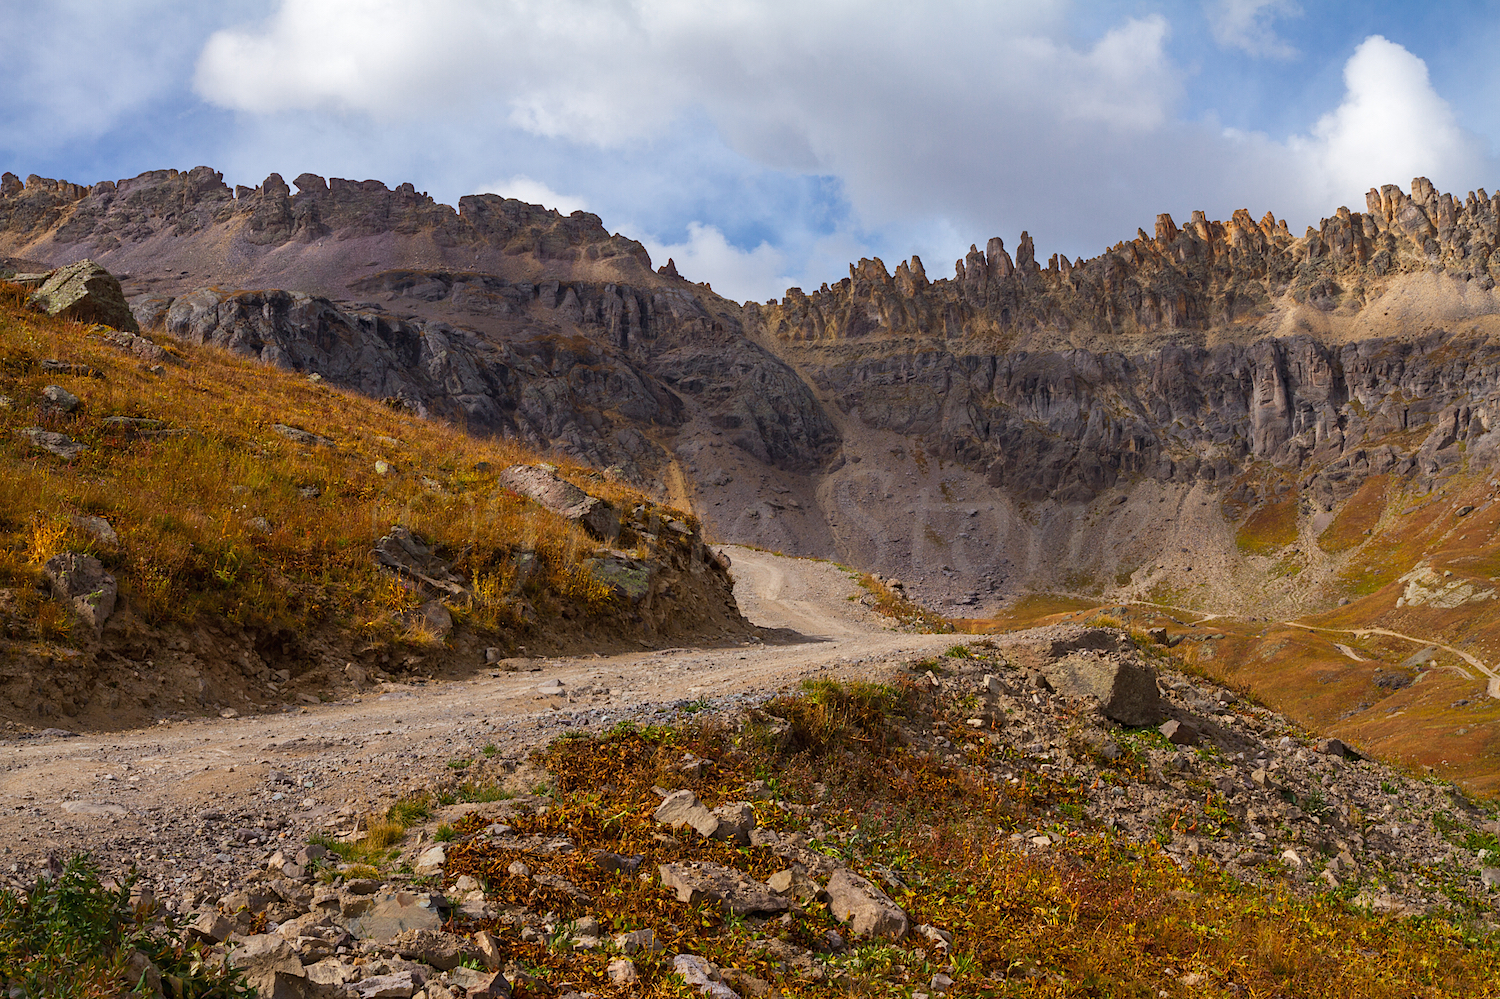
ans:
(1493, 688)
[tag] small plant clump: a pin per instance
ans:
(72, 936)
(891, 603)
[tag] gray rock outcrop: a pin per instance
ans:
(1124, 686)
(704, 881)
(81, 582)
(542, 484)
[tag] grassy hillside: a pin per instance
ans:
(225, 522)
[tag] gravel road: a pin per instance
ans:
(193, 803)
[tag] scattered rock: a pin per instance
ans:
(413, 560)
(400, 985)
(939, 938)
(682, 808)
(213, 927)
(698, 972)
(622, 972)
(1180, 733)
(638, 942)
(383, 917)
(262, 956)
(54, 443)
(431, 861)
(794, 882)
(736, 819)
(299, 436)
(1337, 748)
(740, 894)
(480, 984)
(443, 951)
(97, 528)
(60, 398)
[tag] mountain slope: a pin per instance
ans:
(258, 537)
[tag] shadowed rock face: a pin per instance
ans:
(975, 435)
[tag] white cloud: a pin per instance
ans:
(733, 272)
(57, 85)
(534, 192)
(1249, 25)
(937, 124)
(607, 72)
(1391, 126)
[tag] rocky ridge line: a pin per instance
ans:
(1207, 274)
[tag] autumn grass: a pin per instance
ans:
(224, 517)
(1026, 612)
(905, 611)
(1095, 916)
(1358, 517)
(1270, 528)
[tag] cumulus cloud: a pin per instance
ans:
(1249, 25)
(534, 192)
(733, 272)
(1390, 125)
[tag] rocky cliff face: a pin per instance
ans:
(1099, 423)
(1222, 278)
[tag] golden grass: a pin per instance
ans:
(223, 516)
(1270, 528)
(1026, 612)
(1360, 513)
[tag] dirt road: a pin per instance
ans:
(194, 802)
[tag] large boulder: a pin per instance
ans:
(1124, 686)
(267, 960)
(626, 577)
(867, 910)
(86, 292)
(542, 484)
(81, 582)
(385, 916)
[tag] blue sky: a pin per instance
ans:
(769, 144)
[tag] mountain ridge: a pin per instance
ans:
(1222, 417)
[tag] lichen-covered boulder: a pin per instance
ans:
(86, 292)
